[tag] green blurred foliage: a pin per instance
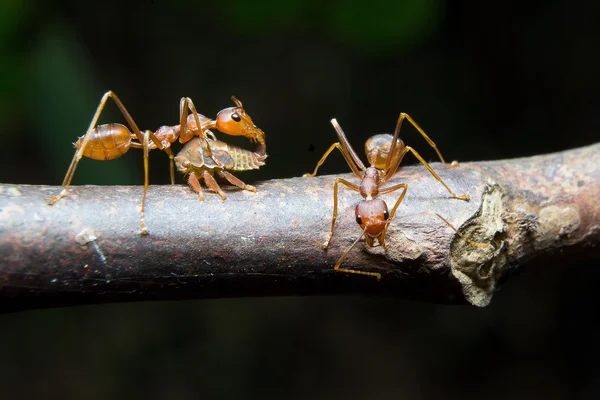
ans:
(263, 17)
(63, 95)
(379, 27)
(382, 26)
(12, 74)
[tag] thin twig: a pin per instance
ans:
(87, 249)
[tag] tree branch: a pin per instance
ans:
(86, 248)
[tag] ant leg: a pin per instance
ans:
(431, 171)
(194, 183)
(393, 189)
(346, 145)
(185, 105)
(171, 163)
(347, 157)
(393, 211)
(347, 151)
(422, 132)
(145, 143)
(236, 181)
(79, 152)
(459, 233)
(211, 183)
(353, 271)
(335, 205)
(135, 145)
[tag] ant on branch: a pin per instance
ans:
(110, 141)
(384, 153)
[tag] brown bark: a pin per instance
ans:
(86, 248)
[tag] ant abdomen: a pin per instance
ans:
(377, 148)
(106, 142)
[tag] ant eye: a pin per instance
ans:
(236, 117)
(358, 220)
(386, 214)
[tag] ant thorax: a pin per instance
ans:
(369, 187)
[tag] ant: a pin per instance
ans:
(110, 141)
(384, 153)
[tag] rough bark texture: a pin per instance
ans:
(86, 248)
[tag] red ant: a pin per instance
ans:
(384, 153)
(110, 141)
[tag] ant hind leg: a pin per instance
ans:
(427, 138)
(88, 134)
(394, 167)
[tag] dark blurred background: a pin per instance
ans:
(486, 80)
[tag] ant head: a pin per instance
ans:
(235, 122)
(378, 148)
(372, 216)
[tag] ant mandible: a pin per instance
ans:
(110, 141)
(384, 153)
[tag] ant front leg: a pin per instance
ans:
(347, 151)
(335, 205)
(391, 189)
(377, 275)
(185, 106)
(347, 157)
